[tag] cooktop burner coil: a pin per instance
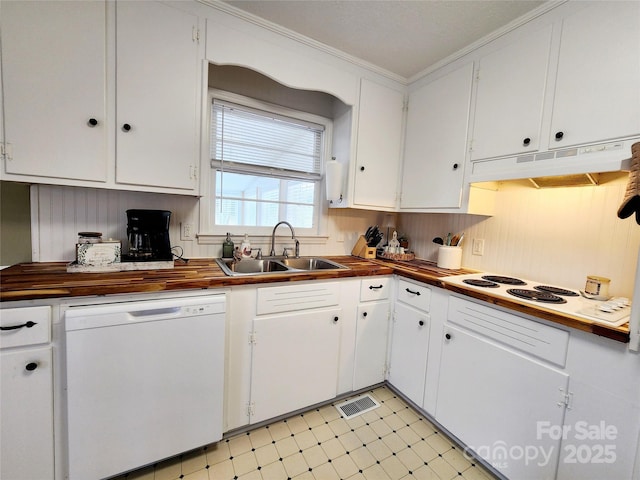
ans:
(536, 295)
(556, 290)
(505, 280)
(477, 282)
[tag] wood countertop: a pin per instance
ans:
(29, 281)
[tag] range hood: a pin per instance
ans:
(573, 166)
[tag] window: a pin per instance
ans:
(266, 166)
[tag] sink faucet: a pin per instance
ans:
(273, 239)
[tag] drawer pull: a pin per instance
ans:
(421, 323)
(371, 287)
(29, 324)
(411, 291)
(31, 366)
(335, 319)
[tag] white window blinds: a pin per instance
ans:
(248, 140)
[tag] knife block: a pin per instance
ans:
(362, 250)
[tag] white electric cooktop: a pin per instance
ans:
(614, 311)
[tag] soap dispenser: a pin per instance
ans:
(227, 247)
(246, 246)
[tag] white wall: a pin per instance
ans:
(59, 213)
(555, 235)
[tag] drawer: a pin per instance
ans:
(416, 295)
(25, 326)
(290, 298)
(375, 289)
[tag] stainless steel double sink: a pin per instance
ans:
(250, 266)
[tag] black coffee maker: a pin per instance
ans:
(148, 235)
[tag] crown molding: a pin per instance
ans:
(509, 27)
(287, 33)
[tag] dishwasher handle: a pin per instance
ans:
(156, 311)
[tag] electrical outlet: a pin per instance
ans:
(186, 231)
(478, 246)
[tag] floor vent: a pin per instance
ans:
(357, 406)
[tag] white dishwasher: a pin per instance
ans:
(144, 381)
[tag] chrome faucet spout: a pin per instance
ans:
(273, 239)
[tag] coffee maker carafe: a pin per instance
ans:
(148, 235)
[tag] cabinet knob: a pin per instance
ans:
(447, 336)
(92, 122)
(31, 366)
(364, 314)
(559, 135)
(362, 169)
(455, 166)
(526, 141)
(335, 319)
(421, 323)
(126, 127)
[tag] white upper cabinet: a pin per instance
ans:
(54, 82)
(379, 146)
(571, 80)
(436, 141)
(510, 95)
(158, 96)
(76, 114)
(597, 94)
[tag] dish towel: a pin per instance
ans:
(631, 202)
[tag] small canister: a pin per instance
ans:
(598, 287)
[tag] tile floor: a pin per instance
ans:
(391, 442)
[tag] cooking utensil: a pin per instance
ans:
(438, 240)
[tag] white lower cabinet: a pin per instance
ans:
(372, 332)
(601, 431)
(410, 340)
(498, 387)
(295, 346)
(26, 396)
(295, 361)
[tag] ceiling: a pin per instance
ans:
(401, 36)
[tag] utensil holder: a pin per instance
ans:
(449, 257)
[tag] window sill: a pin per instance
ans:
(213, 239)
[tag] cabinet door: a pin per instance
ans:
(371, 344)
(409, 350)
(379, 145)
(494, 399)
(54, 74)
(26, 414)
(294, 361)
(436, 140)
(597, 94)
(157, 95)
(510, 97)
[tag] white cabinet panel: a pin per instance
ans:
(295, 361)
(371, 344)
(598, 83)
(436, 142)
(510, 96)
(54, 81)
(379, 145)
(493, 399)
(409, 351)
(26, 415)
(157, 95)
